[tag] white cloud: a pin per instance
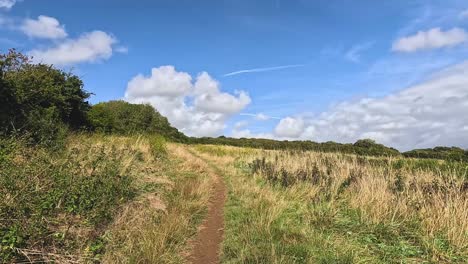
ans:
(425, 115)
(209, 99)
(89, 47)
(246, 133)
(290, 127)
(7, 4)
(164, 81)
(431, 39)
(197, 108)
(44, 27)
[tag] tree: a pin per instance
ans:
(32, 92)
(125, 118)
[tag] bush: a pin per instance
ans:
(44, 127)
(120, 117)
(446, 153)
(39, 100)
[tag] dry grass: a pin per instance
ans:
(422, 205)
(157, 227)
(155, 196)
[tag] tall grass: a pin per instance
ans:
(57, 202)
(156, 227)
(296, 206)
(100, 198)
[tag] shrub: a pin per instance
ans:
(39, 100)
(121, 117)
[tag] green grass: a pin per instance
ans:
(46, 196)
(257, 232)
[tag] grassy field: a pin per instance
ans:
(138, 199)
(103, 199)
(308, 207)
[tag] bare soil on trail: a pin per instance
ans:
(207, 243)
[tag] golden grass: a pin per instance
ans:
(381, 192)
(172, 192)
(157, 227)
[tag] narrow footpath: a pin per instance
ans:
(207, 243)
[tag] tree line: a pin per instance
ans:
(43, 104)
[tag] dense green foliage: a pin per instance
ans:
(445, 153)
(43, 103)
(125, 118)
(39, 100)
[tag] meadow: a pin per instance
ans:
(139, 199)
(313, 207)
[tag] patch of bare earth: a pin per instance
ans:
(207, 243)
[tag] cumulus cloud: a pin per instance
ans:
(431, 39)
(164, 81)
(89, 47)
(289, 127)
(7, 4)
(429, 114)
(209, 99)
(196, 107)
(43, 27)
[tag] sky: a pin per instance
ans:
(393, 71)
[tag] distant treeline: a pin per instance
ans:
(43, 103)
(445, 153)
(366, 147)
(361, 147)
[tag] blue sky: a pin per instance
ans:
(294, 64)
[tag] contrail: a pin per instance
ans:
(260, 116)
(264, 69)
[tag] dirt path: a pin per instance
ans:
(207, 243)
